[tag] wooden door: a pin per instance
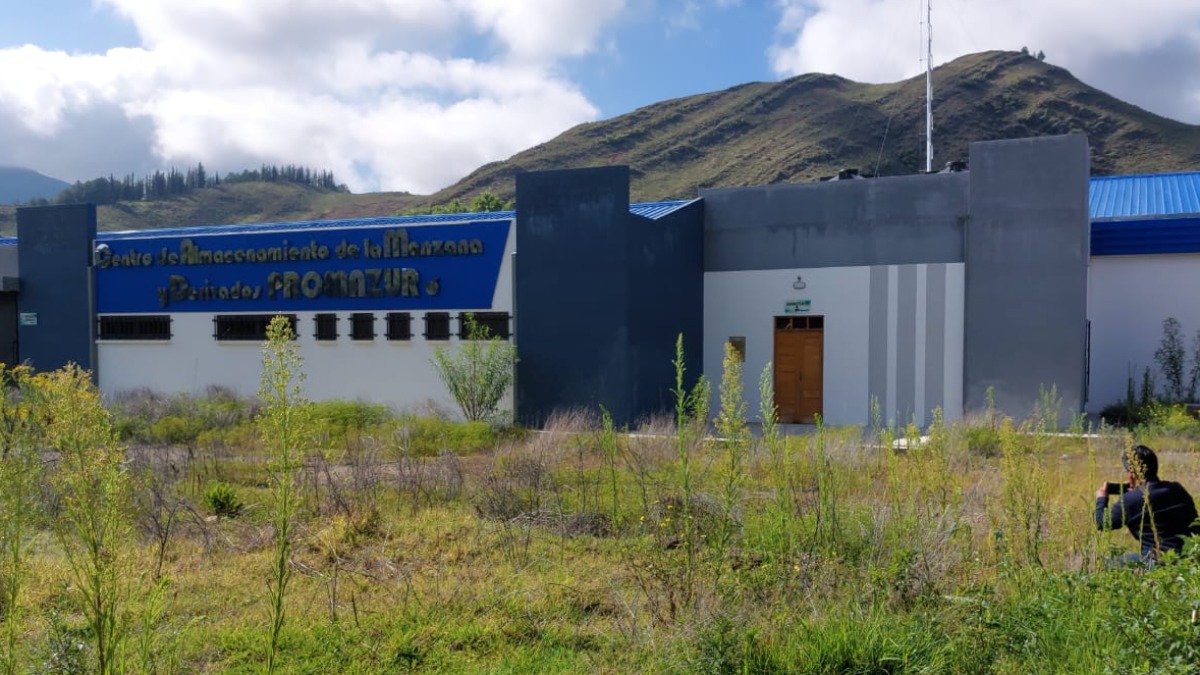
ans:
(799, 366)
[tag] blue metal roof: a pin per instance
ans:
(655, 210)
(652, 210)
(1145, 196)
(201, 230)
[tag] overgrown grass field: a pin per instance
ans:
(690, 545)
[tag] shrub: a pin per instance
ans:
(429, 436)
(93, 527)
(479, 372)
(145, 417)
(223, 500)
(130, 428)
(983, 440)
(347, 415)
(175, 430)
(1171, 358)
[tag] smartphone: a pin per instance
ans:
(1116, 488)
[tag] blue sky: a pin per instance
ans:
(414, 94)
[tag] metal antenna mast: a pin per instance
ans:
(929, 87)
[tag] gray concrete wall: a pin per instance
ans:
(1018, 220)
(881, 221)
(57, 244)
(1026, 249)
(666, 299)
(8, 261)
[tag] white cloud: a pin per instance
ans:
(544, 28)
(389, 94)
(682, 16)
(1101, 41)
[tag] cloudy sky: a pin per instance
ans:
(414, 94)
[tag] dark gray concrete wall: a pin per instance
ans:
(601, 295)
(892, 221)
(666, 299)
(9, 344)
(57, 244)
(1026, 273)
(572, 290)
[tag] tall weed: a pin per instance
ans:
(285, 423)
(20, 474)
(94, 525)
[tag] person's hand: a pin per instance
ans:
(1102, 491)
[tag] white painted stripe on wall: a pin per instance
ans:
(889, 406)
(919, 343)
(952, 406)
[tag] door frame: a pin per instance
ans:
(794, 323)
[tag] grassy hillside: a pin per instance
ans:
(240, 203)
(813, 125)
(796, 130)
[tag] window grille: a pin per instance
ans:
(437, 325)
(245, 327)
(326, 327)
(143, 327)
(362, 326)
(399, 326)
(495, 324)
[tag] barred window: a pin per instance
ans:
(399, 326)
(245, 327)
(143, 327)
(493, 324)
(437, 325)
(326, 327)
(362, 326)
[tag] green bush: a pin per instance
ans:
(175, 430)
(339, 419)
(131, 428)
(429, 436)
(223, 500)
(983, 440)
(1155, 418)
(478, 372)
(145, 417)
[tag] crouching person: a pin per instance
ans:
(1160, 514)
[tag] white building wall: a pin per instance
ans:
(745, 303)
(397, 373)
(1129, 297)
(954, 332)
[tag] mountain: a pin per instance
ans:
(23, 185)
(814, 125)
(800, 129)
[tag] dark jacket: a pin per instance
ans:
(1160, 525)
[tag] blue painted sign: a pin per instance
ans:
(368, 268)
